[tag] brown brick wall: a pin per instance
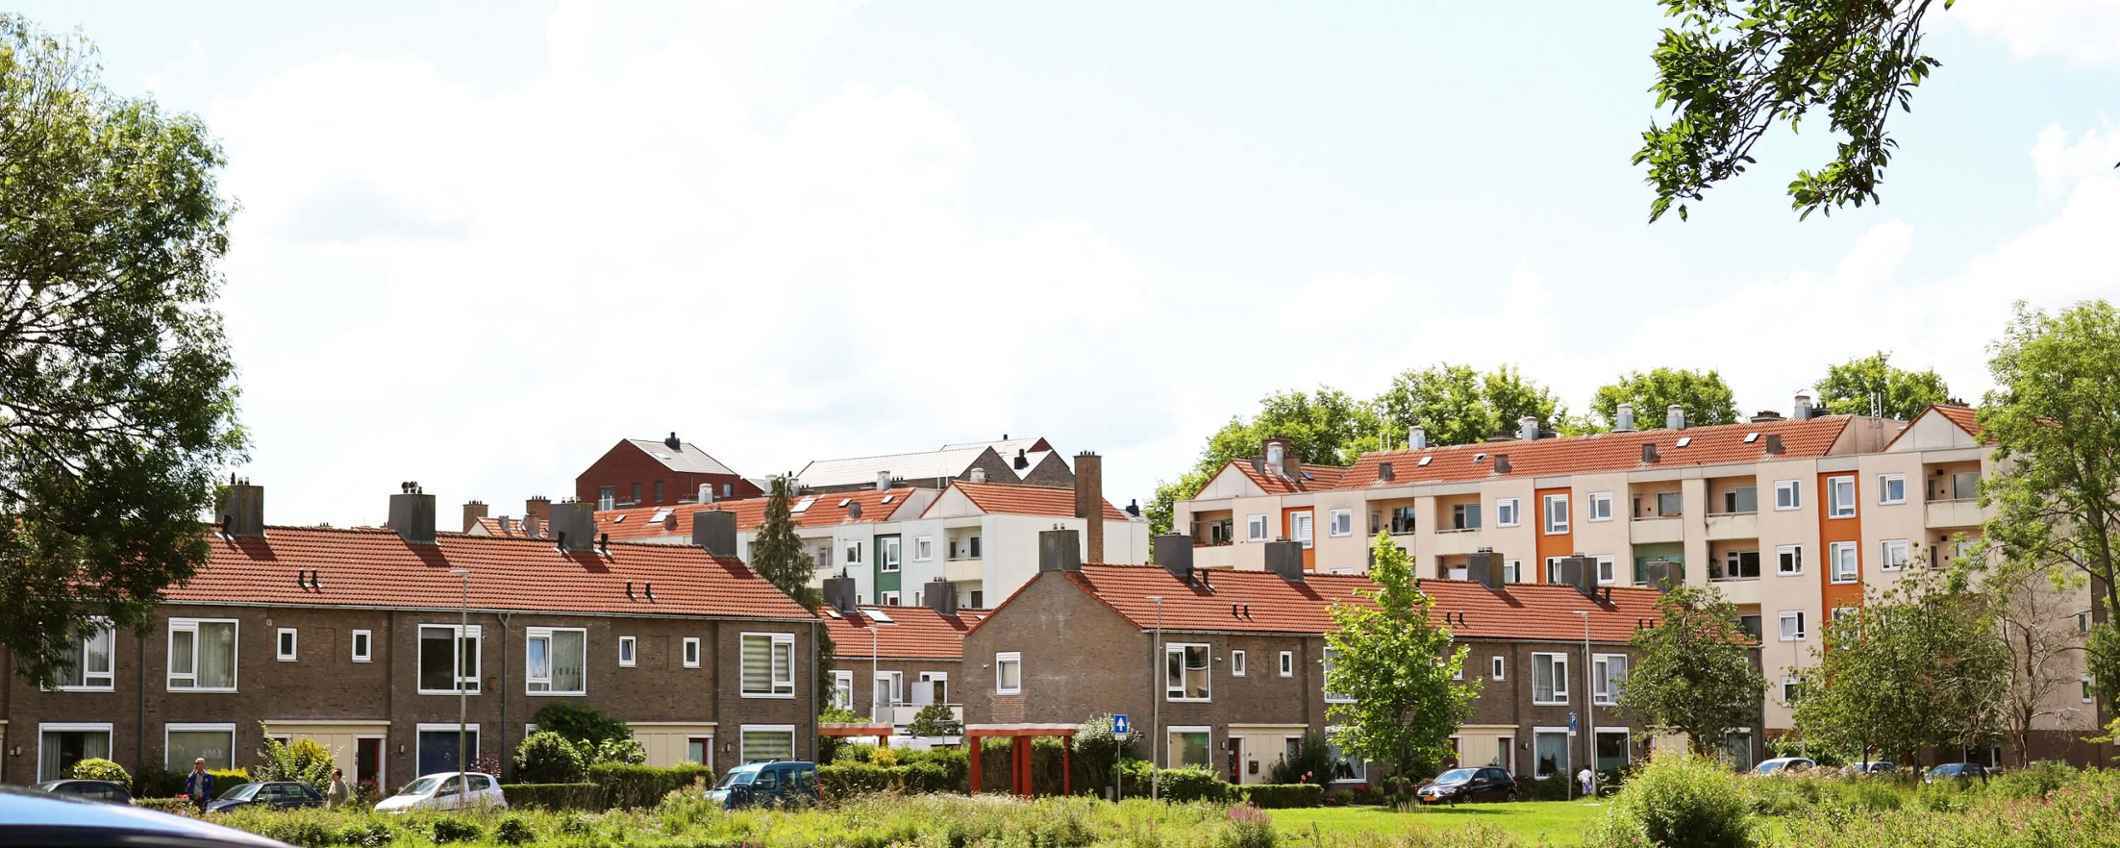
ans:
(625, 465)
(864, 673)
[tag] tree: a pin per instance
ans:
(1458, 406)
(117, 401)
(2037, 613)
(1394, 667)
(779, 556)
(1692, 672)
(547, 757)
(934, 720)
(302, 760)
(1848, 388)
(1731, 71)
(1325, 426)
(1702, 394)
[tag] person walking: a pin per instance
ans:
(1587, 780)
(338, 793)
(198, 785)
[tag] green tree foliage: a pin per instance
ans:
(1325, 426)
(583, 726)
(303, 760)
(627, 751)
(117, 401)
(1702, 394)
(1916, 666)
(934, 720)
(1730, 71)
(779, 556)
(97, 768)
(1849, 386)
(548, 757)
(1396, 666)
(1310, 762)
(1460, 406)
(1692, 673)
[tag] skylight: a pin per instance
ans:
(881, 616)
(618, 519)
(1424, 461)
(1479, 457)
(844, 501)
(659, 515)
(887, 498)
(1751, 437)
(1684, 441)
(831, 612)
(804, 504)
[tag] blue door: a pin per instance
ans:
(438, 750)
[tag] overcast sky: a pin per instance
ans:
(477, 247)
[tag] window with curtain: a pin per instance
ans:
(1550, 751)
(1549, 678)
(1185, 673)
(60, 748)
(202, 654)
(1189, 748)
(215, 745)
(448, 659)
(90, 662)
(556, 660)
(761, 744)
(768, 665)
(1609, 672)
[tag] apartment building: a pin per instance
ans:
(366, 640)
(1029, 461)
(655, 472)
(1225, 669)
(1793, 519)
(889, 663)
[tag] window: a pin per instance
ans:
(363, 646)
(1751, 624)
(1288, 664)
(766, 742)
(843, 689)
(691, 652)
(1185, 676)
(889, 550)
(923, 549)
(1330, 696)
(1346, 768)
(628, 651)
(1299, 528)
(202, 655)
(1556, 514)
(449, 657)
(1496, 667)
(1669, 504)
(768, 665)
(1549, 750)
(658, 491)
(1340, 523)
(1792, 626)
(1788, 559)
(1008, 673)
(183, 743)
(1255, 528)
(1840, 497)
(853, 553)
(1600, 506)
(1465, 516)
(1896, 554)
(1741, 499)
(2087, 694)
(1788, 494)
(1402, 521)
(1846, 566)
(699, 750)
(1508, 512)
(1791, 689)
(636, 493)
(1504, 752)
(1236, 663)
(61, 745)
(91, 663)
(1891, 488)
(889, 599)
(1549, 678)
(284, 643)
(728, 489)
(1513, 571)
(1189, 746)
(1608, 678)
(887, 688)
(1738, 565)
(607, 493)
(556, 660)
(1553, 570)
(1607, 571)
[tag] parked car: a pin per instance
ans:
(277, 794)
(781, 783)
(1785, 765)
(90, 790)
(1489, 783)
(1874, 767)
(447, 791)
(44, 818)
(1956, 771)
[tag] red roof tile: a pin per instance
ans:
(1021, 499)
(1277, 605)
(1712, 445)
(827, 508)
(1312, 477)
(373, 567)
(492, 526)
(1966, 417)
(915, 633)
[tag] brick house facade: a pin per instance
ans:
(648, 472)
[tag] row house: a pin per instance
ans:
(889, 663)
(1030, 461)
(1793, 519)
(654, 472)
(371, 640)
(1225, 669)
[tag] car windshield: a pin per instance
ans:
(1948, 768)
(1455, 776)
(241, 793)
(425, 785)
(740, 777)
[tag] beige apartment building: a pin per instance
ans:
(1791, 518)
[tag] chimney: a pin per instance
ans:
(1089, 501)
(1485, 568)
(940, 597)
(714, 531)
(1774, 447)
(1022, 462)
(1059, 550)
(1674, 417)
(533, 527)
(538, 507)
(574, 525)
(1385, 472)
(1417, 438)
(242, 509)
(1649, 453)
(1803, 410)
(1501, 463)
(1286, 559)
(1623, 418)
(473, 511)
(978, 475)
(1133, 507)
(1581, 572)
(1174, 551)
(412, 514)
(503, 522)
(1527, 428)
(1765, 415)
(706, 493)
(883, 481)
(839, 594)
(672, 443)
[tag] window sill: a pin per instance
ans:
(1168, 699)
(82, 689)
(783, 696)
(1788, 574)
(362, 660)
(1847, 581)
(193, 690)
(1008, 691)
(582, 694)
(442, 691)
(1537, 703)
(1832, 517)
(1732, 579)
(689, 665)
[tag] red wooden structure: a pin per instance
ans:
(1019, 755)
(882, 732)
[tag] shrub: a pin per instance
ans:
(165, 804)
(1249, 827)
(371, 834)
(624, 785)
(97, 768)
(577, 825)
(1193, 784)
(1555, 788)
(1679, 800)
(627, 750)
(157, 782)
(449, 829)
(929, 776)
(2037, 780)
(303, 760)
(1270, 796)
(1312, 762)
(225, 779)
(840, 782)
(547, 757)
(514, 830)
(1945, 796)
(935, 720)
(554, 796)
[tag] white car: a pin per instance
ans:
(1784, 765)
(447, 791)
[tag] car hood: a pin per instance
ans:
(401, 802)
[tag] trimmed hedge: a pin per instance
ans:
(178, 806)
(554, 796)
(843, 781)
(1268, 796)
(1138, 779)
(630, 786)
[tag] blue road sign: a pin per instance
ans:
(1571, 722)
(1120, 725)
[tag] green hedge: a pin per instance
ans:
(1279, 795)
(179, 806)
(1138, 780)
(629, 786)
(843, 781)
(554, 796)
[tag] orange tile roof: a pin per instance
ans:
(915, 633)
(638, 522)
(1966, 417)
(373, 567)
(1711, 445)
(492, 526)
(1315, 477)
(1266, 602)
(1021, 499)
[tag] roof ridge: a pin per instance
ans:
(1609, 434)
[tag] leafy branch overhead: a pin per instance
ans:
(1731, 71)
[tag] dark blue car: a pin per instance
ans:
(781, 783)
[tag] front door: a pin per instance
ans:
(368, 763)
(438, 750)
(1296, 526)
(1236, 759)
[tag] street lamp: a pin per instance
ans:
(463, 629)
(1155, 705)
(1589, 704)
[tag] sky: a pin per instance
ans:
(478, 243)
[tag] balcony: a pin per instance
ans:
(1215, 556)
(1652, 530)
(901, 715)
(1723, 526)
(1955, 513)
(1449, 542)
(963, 570)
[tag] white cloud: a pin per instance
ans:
(2084, 32)
(2062, 166)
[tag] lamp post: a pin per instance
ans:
(1155, 705)
(1589, 703)
(875, 672)
(463, 629)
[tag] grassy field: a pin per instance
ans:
(1555, 822)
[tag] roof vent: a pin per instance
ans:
(1417, 438)
(1479, 457)
(1133, 507)
(978, 475)
(854, 511)
(1674, 417)
(1765, 415)
(1623, 418)
(1385, 472)
(883, 481)
(1649, 452)
(1285, 558)
(1774, 444)
(1527, 428)
(706, 493)
(1060, 550)
(671, 441)
(1022, 462)
(1501, 463)
(1803, 410)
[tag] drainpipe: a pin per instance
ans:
(140, 729)
(508, 762)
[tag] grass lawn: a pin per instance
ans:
(1556, 822)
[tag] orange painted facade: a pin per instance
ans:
(1553, 544)
(1288, 531)
(1830, 530)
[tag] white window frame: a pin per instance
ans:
(923, 548)
(108, 635)
(1498, 668)
(892, 555)
(1607, 570)
(1558, 662)
(748, 729)
(1508, 512)
(1552, 527)
(1567, 747)
(286, 647)
(843, 689)
(1513, 571)
(776, 687)
(1174, 691)
(195, 727)
(191, 625)
(693, 652)
(1885, 482)
(2088, 695)
(1834, 505)
(1237, 663)
(893, 685)
(853, 556)
(1851, 550)
(1600, 507)
(1782, 570)
(1302, 528)
(930, 678)
(1339, 523)
(459, 634)
(889, 599)
(1255, 528)
(1793, 489)
(421, 729)
(363, 646)
(1008, 657)
(546, 633)
(106, 728)
(1288, 663)
(1886, 551)
(1170, 734)
(1782, 629)
(1360, 775)
(1600, 666)
(1788, 682)
(628, 651)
